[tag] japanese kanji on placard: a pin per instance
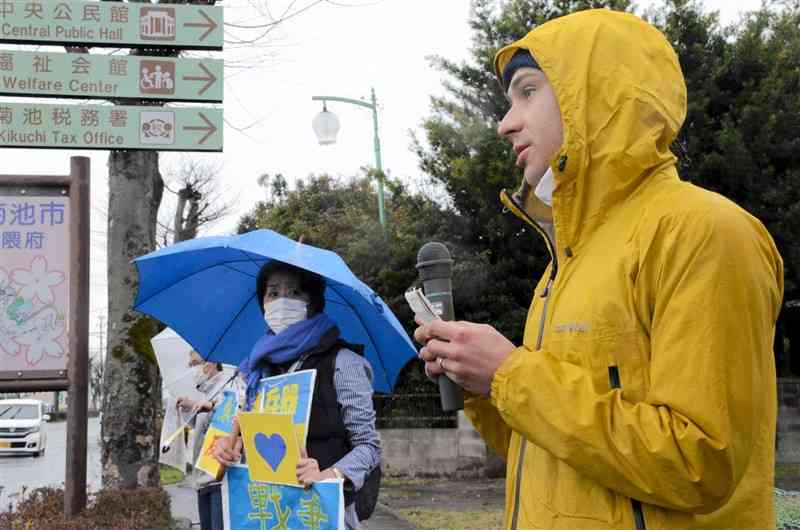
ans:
(251, 505)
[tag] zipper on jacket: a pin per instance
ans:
(520, 211)
(638, 513)
(523, 443)
(521, 457)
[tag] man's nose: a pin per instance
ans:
(510, 124)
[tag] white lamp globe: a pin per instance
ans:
(326, 127)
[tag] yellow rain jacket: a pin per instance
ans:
(643, 396)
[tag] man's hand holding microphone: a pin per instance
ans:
(468, 353)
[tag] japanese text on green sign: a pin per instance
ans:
(110, 127)
(110, 76)
(111, 24)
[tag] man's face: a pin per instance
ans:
(533, 123)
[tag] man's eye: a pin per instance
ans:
(272, 293)
(528, 91)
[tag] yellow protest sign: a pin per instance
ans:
(288, 394)
(205, 461)
(270, 443)
(221, 425)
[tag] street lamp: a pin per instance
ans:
(326, 127)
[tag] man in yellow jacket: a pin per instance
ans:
(643, 395)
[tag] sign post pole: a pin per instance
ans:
(78, 367)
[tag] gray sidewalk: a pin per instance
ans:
(184, 510)
(183, 497)
(385, 519)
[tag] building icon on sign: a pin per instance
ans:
(157, 23)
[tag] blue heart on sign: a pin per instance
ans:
(271, 448)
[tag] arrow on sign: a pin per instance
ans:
(209, 126)
(209, 78)
(209, 23)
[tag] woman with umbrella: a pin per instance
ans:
(342, 440)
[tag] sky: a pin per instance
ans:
(335, 48)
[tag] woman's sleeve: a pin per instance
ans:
(352, 379)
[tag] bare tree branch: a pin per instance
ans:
(200, 200)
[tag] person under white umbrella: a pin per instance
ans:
(190, 389)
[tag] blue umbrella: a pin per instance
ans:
(205, 289)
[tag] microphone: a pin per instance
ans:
(435, 268)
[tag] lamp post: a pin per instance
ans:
(326, 127)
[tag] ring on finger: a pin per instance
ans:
(440, 360)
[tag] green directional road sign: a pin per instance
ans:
(84, 75)
(94, 23)
(110, 127)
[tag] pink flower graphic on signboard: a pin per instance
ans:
(42, 337)
(38, 281)
(7, 297)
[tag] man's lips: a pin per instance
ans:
(522, 154)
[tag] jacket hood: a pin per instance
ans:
(622, 97)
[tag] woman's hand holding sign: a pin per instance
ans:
(228, 449)
(308, 470)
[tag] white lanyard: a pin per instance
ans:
(297, 363)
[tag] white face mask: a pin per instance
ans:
(203, 381)
(283, 312)
(544, 190)
(198, 376)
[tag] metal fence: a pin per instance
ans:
(412, 411)
(787, 509)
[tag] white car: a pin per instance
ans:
(21, 422)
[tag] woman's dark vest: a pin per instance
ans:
(327, 436)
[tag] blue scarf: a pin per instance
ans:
(286, 346)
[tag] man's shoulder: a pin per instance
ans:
(687, 218)
(681, 205)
